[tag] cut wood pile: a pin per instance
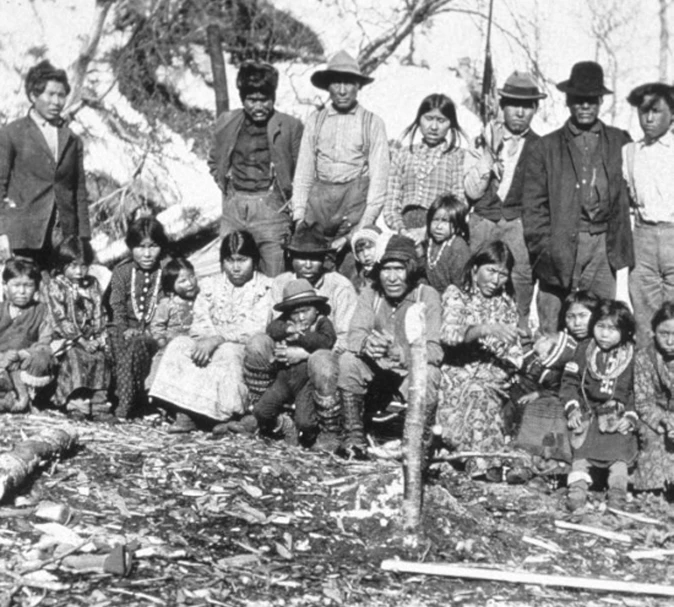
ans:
(134, 516)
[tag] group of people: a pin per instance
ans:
(334, 245)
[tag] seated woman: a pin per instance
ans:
(479, 326)
(202, 375)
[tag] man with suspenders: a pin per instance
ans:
(340, 180)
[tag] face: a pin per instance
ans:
(366, 253)
(577, 321)
(238, 268)
(258, 106)
(655, 117)
(304, 316)
(664, 338)
(50, 102)
(308, 266)
(434, 127)
(441, 227)
(393, 278)
(518, 113)
(186, 286)
(76, 271)
(343, 93)
(490, 278)
(606, 334)
(20, 291)
(584, 110)
(146, 254)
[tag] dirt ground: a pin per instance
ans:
(243, 522)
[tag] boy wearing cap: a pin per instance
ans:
(494, 184)
(575, 206)
(252, 159)
(343, 165)
(378, 348)
(368, 244)
(647, 167)
(303, 323)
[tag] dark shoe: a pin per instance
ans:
(286, 430)
(183, 424)
(494, 474)
(519, 475)
(246, 425)
(327, 442)
(576, 498)
(354, 445)
(328, 410)
(616, 498)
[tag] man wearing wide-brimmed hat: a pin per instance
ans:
(341, 174)
(252, 159)
(307, 251)
(494, 184)
(575, 201)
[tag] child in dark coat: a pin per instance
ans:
(303, 327)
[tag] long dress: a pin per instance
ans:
(216, 391)
(77, 315)
(134, 294)
(653, 390)
(475, 376)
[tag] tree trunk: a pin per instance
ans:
(214, 43)
(415, 421)
(664, 40)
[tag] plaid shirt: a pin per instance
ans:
(418, 176)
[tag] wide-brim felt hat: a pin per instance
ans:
(339, 64)
(308, 239)
(587, 80)
(299, 292)
(521, 85)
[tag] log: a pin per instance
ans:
(19, 463)
(605, 533)
(415, 420)
(525, 577)
(214, 44)
(657, 554)
(647, 520)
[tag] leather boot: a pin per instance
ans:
(328, 410)
(354, 445)
(576, 497)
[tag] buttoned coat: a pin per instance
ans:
(32, 182)
(551, 213)
(284, 133)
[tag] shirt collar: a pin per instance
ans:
(507, 135)
(667, 140)
(576, 132)
(332, 111)
(40, 121)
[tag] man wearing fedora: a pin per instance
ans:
(340, 181)
(308, 250)
(494, 184)
(252, 159)
(575, 201)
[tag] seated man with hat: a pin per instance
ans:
(340, 181)
(307, 251)
(575, 205)
(378, 351)
(252, 159)
(494, 184)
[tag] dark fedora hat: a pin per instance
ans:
(299, 292)
(339, 64)
(587, 80)
(308, 239)
(521, 85)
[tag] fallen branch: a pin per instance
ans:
(657, 553)
(469, 454)
(19, 463)
(609, 535)
(636, 517)
(534, 541)
(524, 577)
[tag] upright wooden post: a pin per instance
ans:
(214, 43)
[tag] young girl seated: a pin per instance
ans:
(368, 243)
(304, 322)
(135, 290)
(174, 312)
(447, 250)
(576, 314)
(654, 400)
(25, 335)
(80, 339)
(598, 393)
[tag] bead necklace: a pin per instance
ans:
(434, 262)
(146, 315)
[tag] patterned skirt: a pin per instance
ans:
(79, 369)
(543, 430)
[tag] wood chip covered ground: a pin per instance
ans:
(137, 516)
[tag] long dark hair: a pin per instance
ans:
(457, 210)
(240, 243)
(437, 101)
(620, 314)
(494, 252)
(584, 298)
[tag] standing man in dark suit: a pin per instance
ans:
(576, 206)
(253, 159)
(43, 195)
(494, 184)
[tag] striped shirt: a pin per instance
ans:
(337, 155)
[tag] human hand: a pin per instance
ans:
(281, 352)
(295, 354)
(376, 345)
(12, 356)
(575, 420)
(89, 345)
(339, 243)
(129, 333)
(203, 349)
(502, 332)
(624, 425)
(528, 398)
